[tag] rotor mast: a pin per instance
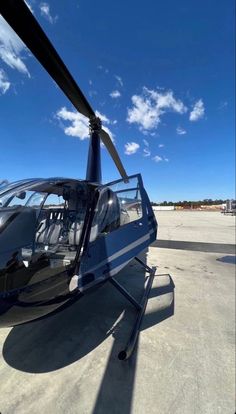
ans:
(93, 173)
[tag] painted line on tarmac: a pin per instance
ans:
(195, 246)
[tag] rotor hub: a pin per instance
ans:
(95, 124)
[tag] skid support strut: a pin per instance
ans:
(140, 306)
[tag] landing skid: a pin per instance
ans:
(140, 306)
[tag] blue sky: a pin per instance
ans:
(160, 73)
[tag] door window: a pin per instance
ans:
(118, 204)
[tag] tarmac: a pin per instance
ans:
(184, 361)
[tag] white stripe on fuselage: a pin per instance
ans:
(74, 281)
(99, 279)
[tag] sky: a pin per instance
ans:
(159, 74)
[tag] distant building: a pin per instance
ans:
(163, 208)
(229, 207)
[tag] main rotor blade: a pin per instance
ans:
(113, 153)
(22, 21)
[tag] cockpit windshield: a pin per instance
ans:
(22, 198)
(36, 194)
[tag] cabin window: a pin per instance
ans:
(118, 204)
(130, 206)
(35, 200)
(128, 195)
(54, 201)
(107, 214)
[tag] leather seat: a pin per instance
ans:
(75, 228)
(50, 227)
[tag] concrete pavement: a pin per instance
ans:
(184, 362)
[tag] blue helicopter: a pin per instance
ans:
(59, 237)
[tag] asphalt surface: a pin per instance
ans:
(184, 361)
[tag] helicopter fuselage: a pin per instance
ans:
(60, 238)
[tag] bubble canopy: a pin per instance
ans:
(41, 222)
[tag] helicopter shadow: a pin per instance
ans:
(60, 340)
(117, 386)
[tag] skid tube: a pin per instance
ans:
(140, 306)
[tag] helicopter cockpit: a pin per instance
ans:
(42, 217)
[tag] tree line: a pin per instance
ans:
(185, 203)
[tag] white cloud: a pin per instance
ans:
(92, 92)
(115, 94)
(102, 117)
(131, 148)
(180, 131)
(12, 48)
(223, 105)
(4, 83)
(45, 12)
(166, 159)
(79, 124)
(157, 158)
(161, 145)
(150, 106)
(105, 70)
(146, 152)
(198, 111)
(120, 81)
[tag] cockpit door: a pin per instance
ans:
(118, 233)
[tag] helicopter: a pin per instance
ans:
(61, 237)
